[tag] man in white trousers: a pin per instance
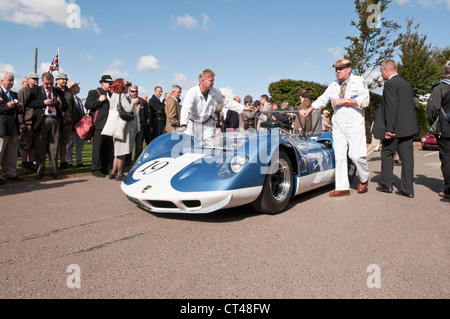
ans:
(200, 104)
(349, 95)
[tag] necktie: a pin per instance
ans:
(343, 89)
(51, 108)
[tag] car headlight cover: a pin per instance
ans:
(238, 162)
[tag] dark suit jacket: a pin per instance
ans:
(37, 98)
(92, 103)
(157, 109)
(397, 112)
(143, 114)
(9, 119)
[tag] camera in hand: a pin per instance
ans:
(16, 103)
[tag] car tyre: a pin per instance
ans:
(277, 188)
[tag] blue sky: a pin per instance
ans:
(248, 43)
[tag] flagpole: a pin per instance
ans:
(35, 59)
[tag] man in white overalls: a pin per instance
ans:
(200, 104)
(349, 95)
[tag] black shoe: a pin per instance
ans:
(70, 165)
(385, 189)
(2, 182)
(120, 178)
(98, 174)
(15, 178)
(39, 176)
(56, 176)
(80, 165)
(63, 165)
(405, 194)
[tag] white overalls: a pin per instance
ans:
(349, 133)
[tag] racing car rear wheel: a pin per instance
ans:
(277, 188)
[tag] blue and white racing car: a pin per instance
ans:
(180, 174)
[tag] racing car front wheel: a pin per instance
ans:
(278, 186)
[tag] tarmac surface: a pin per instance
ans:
(80, 238)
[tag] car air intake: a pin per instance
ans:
(192, 203)
(162, 204)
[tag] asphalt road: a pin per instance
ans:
(373, 245)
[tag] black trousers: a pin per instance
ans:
(102, 148)
(158, 127)
(139, 144)
(444, 156)
(405, 149)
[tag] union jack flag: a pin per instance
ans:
(55, 63)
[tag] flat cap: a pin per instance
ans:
(72, 83)
(62, 76)
(342, 63)
(32, 75)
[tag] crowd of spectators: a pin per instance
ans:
(41, 121)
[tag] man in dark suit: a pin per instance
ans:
(9, 136)
(396, 124)
(47, 103)
(102, 148)
(438, 107)
(157, 113)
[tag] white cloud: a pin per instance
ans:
(114, 69)
(228, 92)
(189, 22)
(336, 52)
(435, 4)
(36, 13)
(182, 80)
(148, 63)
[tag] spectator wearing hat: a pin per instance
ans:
(348, 95)
(48, 103)
(97, 103)
(75, 140)
(27, 147)
(68, 117)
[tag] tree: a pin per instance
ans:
(418, 65)
(374, 42)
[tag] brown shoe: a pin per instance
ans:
(442, 194)
(339, 193)
(363, 187)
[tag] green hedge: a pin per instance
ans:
(287, 90)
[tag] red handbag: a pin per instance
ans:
(85, 127)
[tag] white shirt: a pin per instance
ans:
(357, 89)
(197, 109)
(47, 111)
